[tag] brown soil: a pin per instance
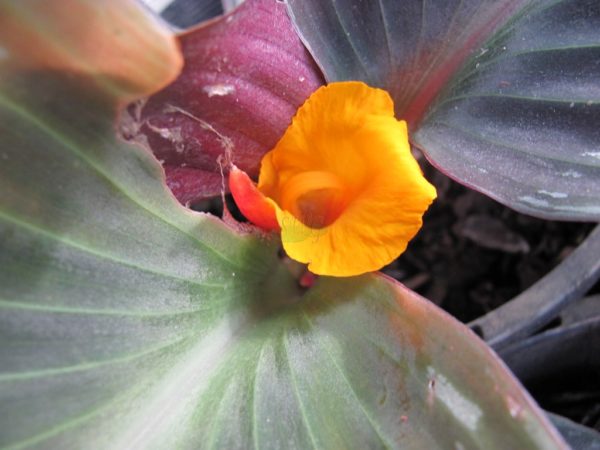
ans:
(474, 254)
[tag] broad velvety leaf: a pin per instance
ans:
(518, 121)
(127, 321)
(411, 48)
(245, 75)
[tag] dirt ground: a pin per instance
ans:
(473, 254)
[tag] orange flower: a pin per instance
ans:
(341, 184)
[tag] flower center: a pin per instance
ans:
(316, 198)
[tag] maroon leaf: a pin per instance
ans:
(245, 75)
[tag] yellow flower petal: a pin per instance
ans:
(348, 193)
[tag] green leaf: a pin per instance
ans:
(517, 121)
(127, 321)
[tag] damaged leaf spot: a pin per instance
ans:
(219, 90)
(225, 142)
(172, 134)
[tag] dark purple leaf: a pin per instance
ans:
(245, 75)
(410, 48)
(518, 121)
